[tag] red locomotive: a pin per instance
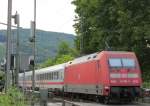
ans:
(103, 76)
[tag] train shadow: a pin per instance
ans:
(124, 104)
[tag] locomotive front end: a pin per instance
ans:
(124, 76)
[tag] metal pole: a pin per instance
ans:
(17, 51)
(34, 33)
(24, 82)
(8, 44)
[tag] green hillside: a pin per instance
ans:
(46, 42)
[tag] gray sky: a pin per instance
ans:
(52, 15)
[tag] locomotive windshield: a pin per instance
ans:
(121, 63)
(115, 62)
(128, 63)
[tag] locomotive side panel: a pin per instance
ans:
(81, 78)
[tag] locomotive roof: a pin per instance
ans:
(94, 56)
(84, 58)
(119, 52)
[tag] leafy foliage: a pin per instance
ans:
(63, 59)
(13, 98)
(146, 85)
(116, 24)
(65, 54)
(47, 63)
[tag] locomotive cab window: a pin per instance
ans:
(128, 63)
(121, 63)
(115, 62)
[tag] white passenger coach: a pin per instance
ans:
(50, 77)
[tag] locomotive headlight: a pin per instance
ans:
(106, 87)
(106, 90)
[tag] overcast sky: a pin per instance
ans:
(52, 15)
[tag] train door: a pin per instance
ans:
(98, 74)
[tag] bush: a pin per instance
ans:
(12, 98)
(146, 85)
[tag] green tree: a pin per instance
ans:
(120, 24)
(65, 49)
(65, 54)
(47, 63)
(63, 59)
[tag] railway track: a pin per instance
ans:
(60, 100)
(82, 102)
(68, 102)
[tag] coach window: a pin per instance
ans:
(41, 76)
(55, 75)
(62, 76)
(50, 76)
(37, 78)
(59, 75)
(45, 76)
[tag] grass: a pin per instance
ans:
(12, 98)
